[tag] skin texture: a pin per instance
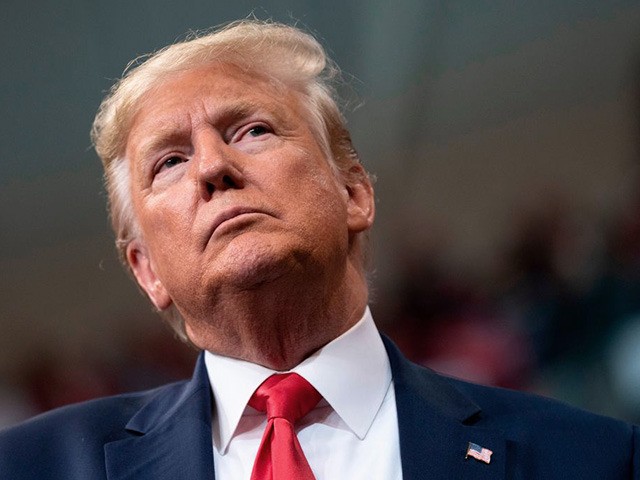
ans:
(246, 228)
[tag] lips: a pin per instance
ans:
(230, 214)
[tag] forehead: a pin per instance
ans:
(214, 94)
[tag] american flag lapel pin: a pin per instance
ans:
(479, 453)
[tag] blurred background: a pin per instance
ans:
(506, 142)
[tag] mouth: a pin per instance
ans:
(224, 218)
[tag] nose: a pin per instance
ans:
(218, 166)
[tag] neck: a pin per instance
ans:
(281, 323)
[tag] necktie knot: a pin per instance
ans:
(287, 396)
(286, 399)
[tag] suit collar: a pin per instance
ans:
(170, 435)
(436, 423)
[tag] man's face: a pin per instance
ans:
(232, 191)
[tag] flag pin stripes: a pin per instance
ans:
(479, 453)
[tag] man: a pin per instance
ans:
(240, 206)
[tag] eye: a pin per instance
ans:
(251, 131)
(258, 130)
(170, 162)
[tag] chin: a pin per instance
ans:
(257, 263)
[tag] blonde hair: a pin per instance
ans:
(285, 55)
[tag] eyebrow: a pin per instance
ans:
(173, 132)
(239, 109)
(164, 135)
(227, 115)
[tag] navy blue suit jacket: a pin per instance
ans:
(166, 434)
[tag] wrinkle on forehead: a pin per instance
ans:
(220, 100)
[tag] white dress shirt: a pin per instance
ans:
(351, 434)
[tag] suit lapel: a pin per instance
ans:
(170, 436)
(436, 424)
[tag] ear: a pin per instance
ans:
(140, 263)
(360, 202)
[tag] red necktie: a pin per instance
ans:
(286, 399)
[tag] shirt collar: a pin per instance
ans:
(351, 372)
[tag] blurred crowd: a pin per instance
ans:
(559, 315)
(55, 379)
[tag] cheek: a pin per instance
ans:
(319, 201)
(311, 180)
(164, 226)
(326, 193)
